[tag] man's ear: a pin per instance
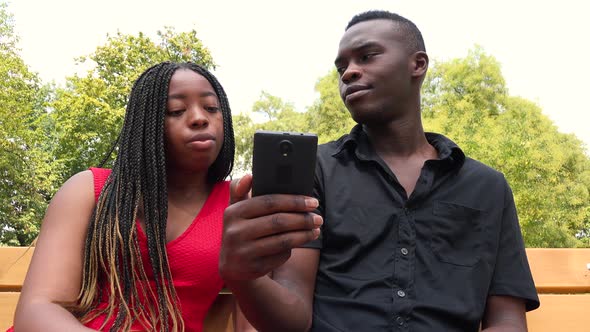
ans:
(420, 64)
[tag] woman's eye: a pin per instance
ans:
(175, 113)
(212, 109)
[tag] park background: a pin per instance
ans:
(507, 81)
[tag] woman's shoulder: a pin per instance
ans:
(99, 171)
(220, 193)
(78, 182)
(77, 188)
(223, 187)
(100, 176)
(84, 186)
(72, 205)
(223, 184)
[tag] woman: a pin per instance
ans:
(136, 248)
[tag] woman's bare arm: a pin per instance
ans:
(55, 272)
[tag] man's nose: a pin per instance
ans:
(352, 74)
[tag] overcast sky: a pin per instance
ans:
(283, 47)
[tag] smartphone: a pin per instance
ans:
(283, 163)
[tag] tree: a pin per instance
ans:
(467, 100)
(26, 177)
(89, 110)
(549, 174)
(244, 129)
(328, 116)
(47, 134)
(277, 116)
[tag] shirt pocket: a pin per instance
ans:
(456, 233)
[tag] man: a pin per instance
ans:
(415, 235)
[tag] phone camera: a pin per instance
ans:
(286, 147)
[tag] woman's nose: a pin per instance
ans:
(198, 117)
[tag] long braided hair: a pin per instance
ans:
(112, 260)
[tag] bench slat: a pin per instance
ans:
(14, 262)
(561, 313)
(8, 302)
(560, 270)
(218, 319)
(554, 270)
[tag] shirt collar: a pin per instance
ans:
(357, 140)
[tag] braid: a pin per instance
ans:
(112, 260)
(155, 195)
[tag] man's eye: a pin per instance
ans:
(367, 56)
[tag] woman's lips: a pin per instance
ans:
(201, 142)
(201, 145)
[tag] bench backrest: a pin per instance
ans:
(562, 277)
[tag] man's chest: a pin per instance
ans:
(444, 222)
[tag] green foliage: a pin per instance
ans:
(276, 115)
(8, 38)
(89, 110)
(26, 179)
(328, 116)
(244, 129)
(48, 133)
(467, 100)
(474, 81)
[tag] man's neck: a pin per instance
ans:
(402, 145)
(402, 137)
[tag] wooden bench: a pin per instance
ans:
(562, 278)
(14, 262)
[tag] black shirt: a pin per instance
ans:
(423, 263)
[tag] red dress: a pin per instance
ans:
(193, 258)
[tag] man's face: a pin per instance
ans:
(375, 71)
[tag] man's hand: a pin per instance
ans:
(259, 232)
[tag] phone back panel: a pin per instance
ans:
(283, 163)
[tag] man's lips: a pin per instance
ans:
(355, 91)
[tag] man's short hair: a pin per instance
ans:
(413, 36)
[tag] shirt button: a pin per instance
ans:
(401, 293)
(399, 320)
(404, 251)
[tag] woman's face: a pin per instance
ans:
(194, 122)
